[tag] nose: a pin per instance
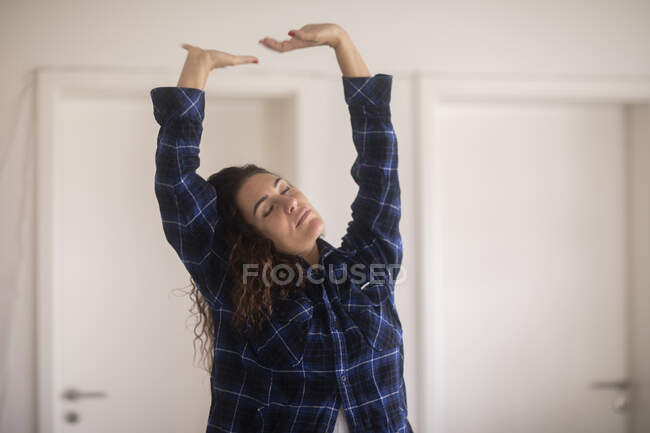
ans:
(290, 204)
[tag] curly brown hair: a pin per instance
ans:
(244, 245)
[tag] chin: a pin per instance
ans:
(317, 227)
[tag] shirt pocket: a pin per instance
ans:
(371, 308)
(281, 341)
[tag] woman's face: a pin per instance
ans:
(274, 207)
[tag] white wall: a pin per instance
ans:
(456, 37)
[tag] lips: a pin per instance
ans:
(303, 216)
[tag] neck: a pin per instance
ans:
(312, 256)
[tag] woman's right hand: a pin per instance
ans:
(310, 35)
(217, 59)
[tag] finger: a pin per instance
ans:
(284, 46)
(302, 35)
(240, 60)
(272, 44)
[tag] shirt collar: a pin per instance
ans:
(324, 250)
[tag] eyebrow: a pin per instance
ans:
(275, 184)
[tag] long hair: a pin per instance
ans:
(245, 245)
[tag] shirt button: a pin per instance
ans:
(335, 322)
(343, 377)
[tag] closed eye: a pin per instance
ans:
(271, 208)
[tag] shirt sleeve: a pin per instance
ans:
(187, 202)
(374, 232)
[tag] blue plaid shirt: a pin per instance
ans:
(336, 344)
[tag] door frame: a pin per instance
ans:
(430, 92)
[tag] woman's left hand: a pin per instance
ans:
(310, 35)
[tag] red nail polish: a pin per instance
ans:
(292, 33)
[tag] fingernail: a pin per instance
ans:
(255, 61)
(292, 33)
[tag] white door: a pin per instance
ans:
(113, 324)
(527, 268)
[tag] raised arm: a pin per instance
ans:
(374, 230)
(187, 202)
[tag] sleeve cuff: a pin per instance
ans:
(179, 102)
(367, 91)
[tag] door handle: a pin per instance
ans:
(74, 394)
(620, 385)
(622, 401)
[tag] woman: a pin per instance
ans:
(304, 336)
